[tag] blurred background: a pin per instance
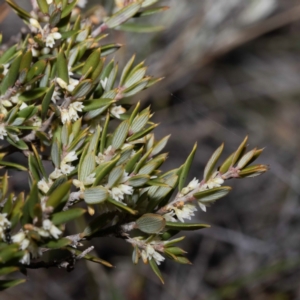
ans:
(232, 68)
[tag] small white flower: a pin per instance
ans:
(6, 103)
(100, 158)
(214, 182)
(193, 184)
(90, 179)
(124, 177)
(72, 84)
(35, 53)
(71, 156)
(6, 69)
(73, 115)
(4, 221)
(69, 87)
(35, 23)
(151, 253)
(37, 122)
(66, 168)
(54, 231)
(44, 186)
(104, 82)
(56, 96)
(79, 184)
(62, 83)
(15, 98)
(14, 137)
(25, 260)
(49, 1)
(126, 189)
(24, 244)
(117, 111)
(65, 116)
(45, 51)
(19, 237)
(77, 105)
(50, 40)
(56, 173)
(117, 194)
(3, 131)
(184, 212)
(82, 3)
(170, 216)
(23, 105)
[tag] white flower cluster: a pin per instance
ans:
(44, 185)
(150, 253)
(51, 38)
(185, 211)
(29, 246)
(191, 186)
(116, 111)
(118, 192)
(87, 181)
(65, 167)
(3, 131)
(4, 224)
(71, 113)
(103, 157)
(69, 87)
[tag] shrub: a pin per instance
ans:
(62, 102)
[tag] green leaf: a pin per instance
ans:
(59, 195)
(92, 61)
(12, 75)
(58, 244)
(239, 151)
(66, 216)
(95, 195)
(96, 103)
(120, 135)
(33, 94)
(156, 270)
(83, 88)
(36, 70)
(126, 70)
(47, 100)
(43, 6)
(9, 283)
(104, 169)
(115, 175)
(138, 180)
(185, 226)
(12, 165)
(139, 122)
(122, 206)
(97, 224)
(244, 161)
(19, 10)
(123, 15)
(87, 166)
(209, 168)
(140, 28)
(8, 270)
(151, 223)
(8, 54)
(93, 258)
(186, 168)
(31, 201)
(62, 67)
(212, 194)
